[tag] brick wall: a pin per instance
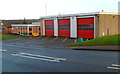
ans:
(6, 31)
(108, 25)
(35, 29)
(15, 30)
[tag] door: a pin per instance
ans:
(30, 31)
(85, 28)
(49, 27)
(64, 27)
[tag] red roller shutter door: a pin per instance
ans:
(49, 27)
(64, 27)
(85, 27)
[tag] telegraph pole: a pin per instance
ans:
(45, 7)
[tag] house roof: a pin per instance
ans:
(8, 23)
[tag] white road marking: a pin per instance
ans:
(113, 68)
(44, 56)
(39, 57)
(30, 45)
(115, 65)
(35, 58)
(2, 50)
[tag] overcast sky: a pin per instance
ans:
(33, 9)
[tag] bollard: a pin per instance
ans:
(80, 39)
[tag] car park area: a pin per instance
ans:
(42, 41)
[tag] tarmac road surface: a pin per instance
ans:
(18, 58)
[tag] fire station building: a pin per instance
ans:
(84, 25)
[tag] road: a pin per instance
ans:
(22, 58)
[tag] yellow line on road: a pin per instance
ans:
(41, 36)
(75, 40)
(46, 38)
(37, 37)
(56, 38)
(30, 37)
(65, 39)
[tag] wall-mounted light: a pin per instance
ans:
(103, 34)
(1, 24)
(12, 28)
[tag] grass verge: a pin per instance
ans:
(7, 37)
(106, 40)
(3, 35)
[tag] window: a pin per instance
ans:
(18, 28)
(91, 25)
(88, 29)
(49, 27)
(24, 28)
(30, 28)
(39, 28)
(64, 28)
(91, 29)
(85, 25)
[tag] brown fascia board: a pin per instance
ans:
(79, 14)
(8, 23)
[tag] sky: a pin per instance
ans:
(34, 9)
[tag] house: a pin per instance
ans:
(5, 25)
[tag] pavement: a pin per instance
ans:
(101, 48)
